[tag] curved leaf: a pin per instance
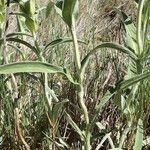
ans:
(30, 22)
(20, 25)
(106, 45)
(32, 66)
(24, 43)
(60, 41)
(18, 33)
(20, 14)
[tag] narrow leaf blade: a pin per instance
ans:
(32, 66)
(74, 125)
(139, 136)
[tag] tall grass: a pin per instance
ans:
(56, 96)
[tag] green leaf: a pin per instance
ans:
(140, 37)
(25, 10)
(32, 66)
(105, 45)
(57, 41)
(70, 11)
(28, 7)
(31, 24)
(74, 125)
(49, 8)
(18, 34)
(20, 24)
(32, 7)
(24, 43)
(58, 7)
(121, 86)
(2, 5)
(29, 21)
(130, 31)
(60, 41)
(16, 1)
(104, 100)
(1, 17)
(20, 14)
(130, 82)
(137, 1)
(139, 136)
(64, 143)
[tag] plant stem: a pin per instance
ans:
(76, 49)
(80, 86)
(139, 27)
(88, 136)
(79, 78)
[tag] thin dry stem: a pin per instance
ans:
(18, 130)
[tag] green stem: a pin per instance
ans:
(79, 78)
(80, 86)
(139, 27)
(76, 49)
(88, 136)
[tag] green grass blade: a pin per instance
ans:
(57, 108)
(139, 136)
(32, 66)
(74, 125)
(24, 43)
(29, 67)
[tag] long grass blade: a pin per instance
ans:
(32, 66)
(139, 136)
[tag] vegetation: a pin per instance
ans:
(65, 86)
